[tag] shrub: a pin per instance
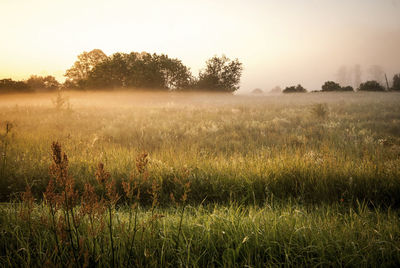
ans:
(347, 88)
(331, 86)
(293, 89)
(371, 86)
(320, 110)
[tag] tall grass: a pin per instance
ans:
(189, 180)
(289, 234)
(237, 148)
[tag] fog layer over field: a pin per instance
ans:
(235, 137)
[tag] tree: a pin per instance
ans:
(110, 73)
(39, 82)
(331, 86)
(220, 74)
(295, 89)
(371, 85)
(376, 73)
(357, 75)
(79, 72)
(396, 82)
(175, 74)
(8, 84)
(343, 75)
(139, 70)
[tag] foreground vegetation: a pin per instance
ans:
(215, 180)
(212, 236)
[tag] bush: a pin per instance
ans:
(331, 86)
(320, 110)
(293, 89)
(371, 86)
(348, 88)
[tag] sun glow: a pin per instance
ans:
(279, 42)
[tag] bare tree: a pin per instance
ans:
(376, 73)
(357, 73)
(342, 75)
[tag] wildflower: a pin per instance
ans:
(102, 176)
(90, 202)
(141, 162)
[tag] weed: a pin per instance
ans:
(320, 110)
(61, 101)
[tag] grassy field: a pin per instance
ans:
(200, 179)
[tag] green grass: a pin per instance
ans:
(287, 234)
(311, 179)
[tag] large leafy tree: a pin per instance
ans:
(220, 74)
(139, 70)
(79, 72)
(110, 73)
(175, 75)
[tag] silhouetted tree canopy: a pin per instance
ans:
(371, 86)
(7, 85)
(139, 70)
(295, 89)
(220, 74)
(347, 88)
(396, 82)
(79, 72)
(39, 82)
(333, 86)
(94, 69)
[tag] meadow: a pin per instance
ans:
(190, 179)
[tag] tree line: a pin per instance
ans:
(96, 70)
(331, 86)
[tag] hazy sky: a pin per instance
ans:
(280, 42)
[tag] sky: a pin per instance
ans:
(279, 42)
